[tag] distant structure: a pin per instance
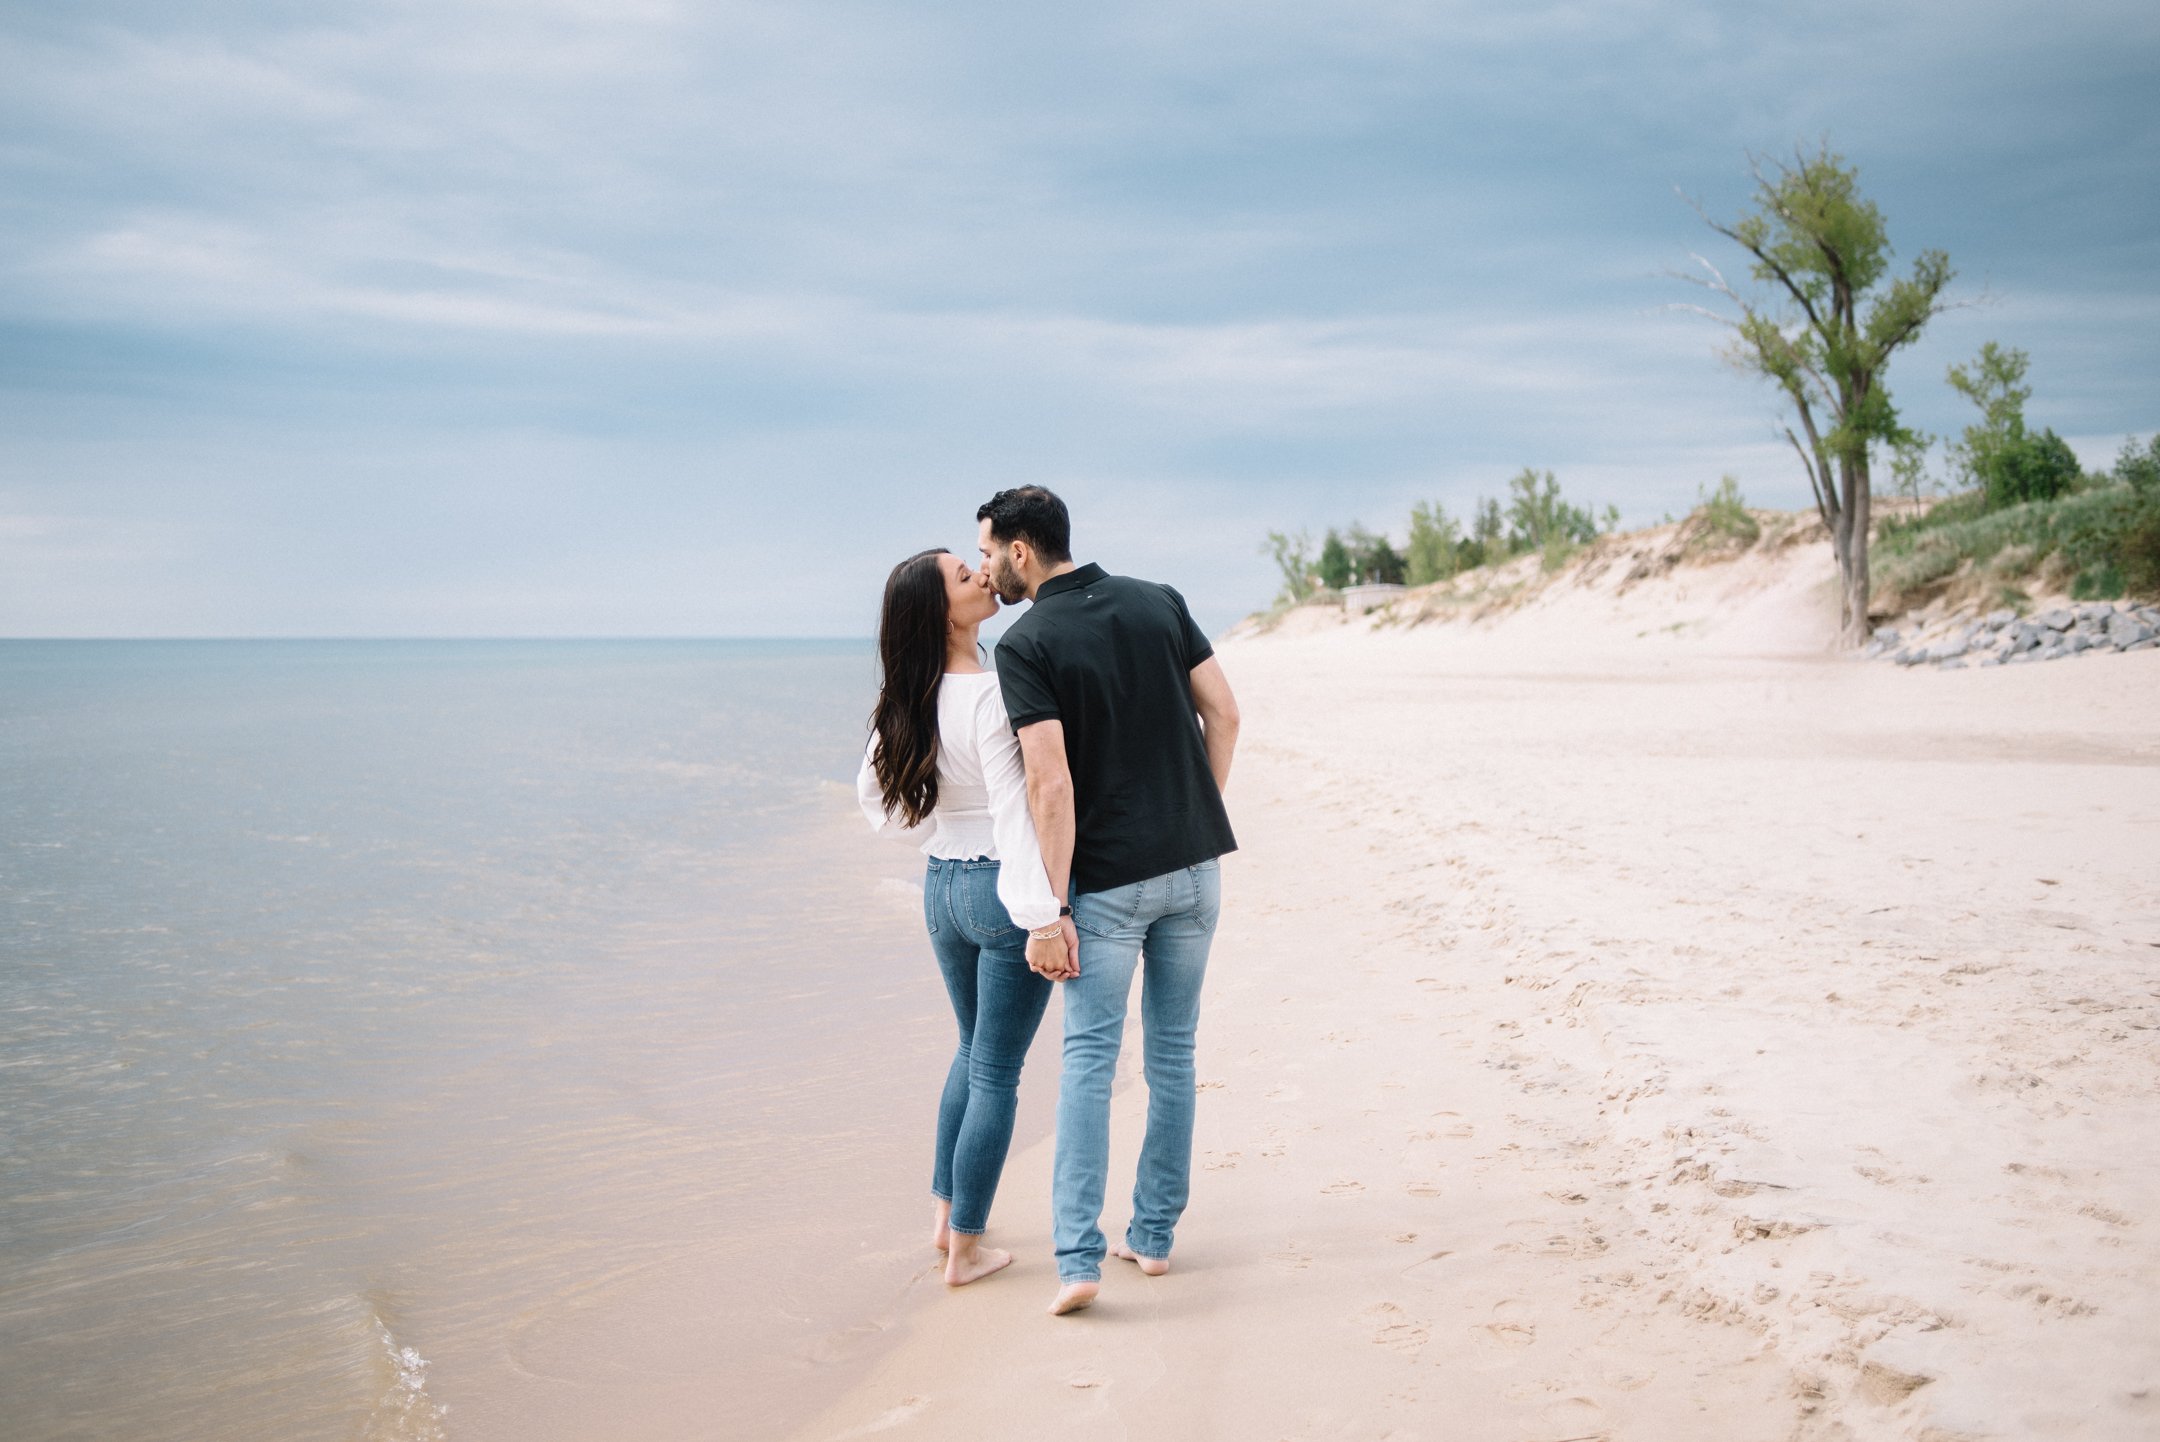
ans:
(1357, 600)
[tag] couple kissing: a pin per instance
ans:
(1070, 807)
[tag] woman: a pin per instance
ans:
(943, 768)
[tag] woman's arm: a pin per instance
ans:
(871, 797)
(1023, 883)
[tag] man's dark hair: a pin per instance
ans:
(1033, 515)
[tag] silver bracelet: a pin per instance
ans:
(1051, 935)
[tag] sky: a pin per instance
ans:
(635, 317)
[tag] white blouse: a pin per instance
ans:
(982, 808)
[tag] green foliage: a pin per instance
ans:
(1908, 466)
(1724, 513)
(1539, 520)
(1435, 539)
(1334, 562)
(1372, 560)
(1825, 253)
(2008, 464)
(1488, 536)
(1293, 558)
(2107, 539)
(2031, 468)
(2140, 469)
(1992, 381)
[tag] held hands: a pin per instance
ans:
(1055, 956)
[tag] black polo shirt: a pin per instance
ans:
(1112, 658)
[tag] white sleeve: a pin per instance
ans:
(1022, 885)
(871, 797)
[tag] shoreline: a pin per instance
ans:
(1692, 1036)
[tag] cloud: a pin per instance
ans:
(320, 296)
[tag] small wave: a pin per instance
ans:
(404, 1412)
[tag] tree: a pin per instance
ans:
(1293, 558)
(2007, 463)
(1334, 566)
(1539, 519)
(1372, 559)
(1824, 334)
(1430, 554)
(1487, 535)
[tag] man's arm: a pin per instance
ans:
(1050, 802)
(1218, 723)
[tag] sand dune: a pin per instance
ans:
(1636, 1031)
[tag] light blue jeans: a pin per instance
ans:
(997, 1003)
(1163, 926)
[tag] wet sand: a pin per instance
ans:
(1635, 1036)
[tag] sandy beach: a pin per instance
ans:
(1632, 1021)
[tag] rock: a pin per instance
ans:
(1888, 635)
(2077, 641)
(1996, 620)
(1947, 650)
(2052, 653)
(1874, 649)
(2145, 645)
(2059, 619)
(1992, 661)
(2096, 611)
(1953, 664)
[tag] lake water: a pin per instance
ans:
(418, 1040)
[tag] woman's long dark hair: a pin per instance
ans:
(911, 653)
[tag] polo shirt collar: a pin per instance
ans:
(1072, 580)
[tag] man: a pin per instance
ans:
(1126, 726)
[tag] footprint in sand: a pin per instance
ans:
(1423, 1189)
(1283, 1093)
(1342, 1189)
(1511, 1327)
(891, 1417)
(1577, 1419)
(1290, 1259)
(1220, 1161)
(1395, 1329)
(1210, 1086)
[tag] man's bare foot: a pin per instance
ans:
(1073, 1296)
(940, 1217)
(970, 1261)
(1152, 1266)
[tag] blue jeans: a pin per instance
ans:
(998, 1003)
(1170, 921)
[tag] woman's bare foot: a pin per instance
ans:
(970, 1261)
(1073, 1296)
(1152, 1266)
(940, 1218)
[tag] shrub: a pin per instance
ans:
(2106, 539)
(1433, 552)
(1538, 517)
(2029, 468)
(1724, 513)
(2140, 470)
(2138, 554)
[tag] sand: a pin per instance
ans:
(1629, 1030)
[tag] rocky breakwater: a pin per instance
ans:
(2003, 638)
